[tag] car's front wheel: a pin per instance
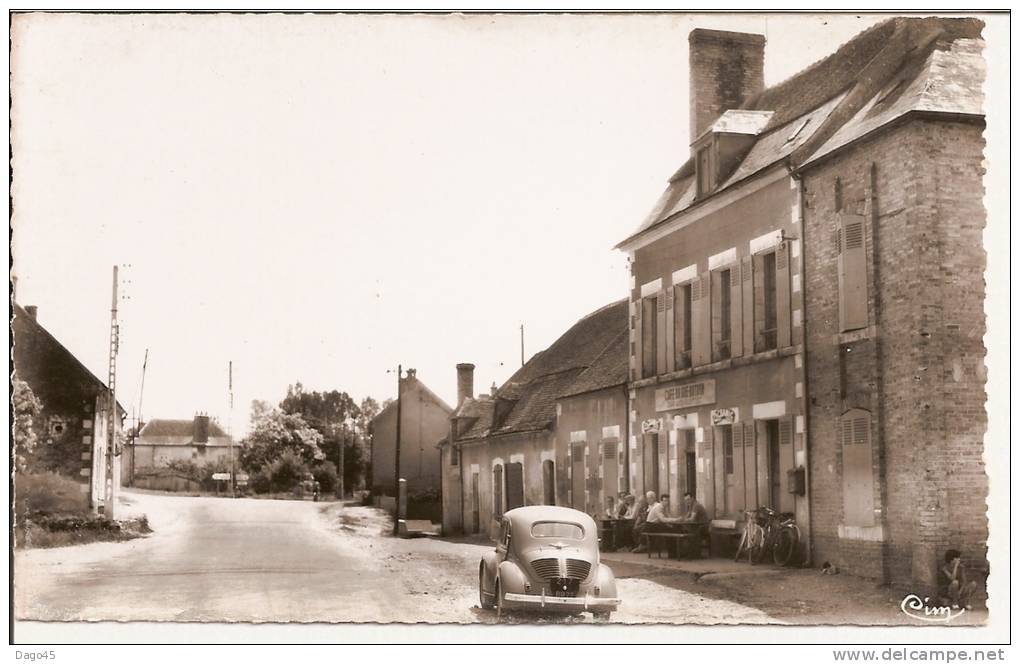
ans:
(484, 601)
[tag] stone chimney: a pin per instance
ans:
(32, 311)
(727, 68)
(465, 382)
(412, 373)
(200, 432)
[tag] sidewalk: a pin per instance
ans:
(792, 595)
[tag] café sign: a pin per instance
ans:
(723, 416)
(687, 395)
(651, 426)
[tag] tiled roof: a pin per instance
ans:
(893, 68)
(608, 370)
(412, 383)
(178, 428)
(529, 396)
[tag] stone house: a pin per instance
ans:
(162, 441)
(806, 297)
(541, 437)
(424, 419)
(75, 406)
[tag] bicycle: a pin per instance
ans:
(752, 540)
(781, 536)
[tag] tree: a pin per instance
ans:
(27, 409)
(274, 433)
(327, 413)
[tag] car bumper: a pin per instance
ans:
(584, 603)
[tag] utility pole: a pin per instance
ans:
(522, 344)
(396, 464)
(230, 427)
(340, 463)
(111, 413)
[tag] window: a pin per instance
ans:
(704, 168)
(649, 336)
(557, 529)
(682, 326)
(721, 315)
(549, 481)
(851, 273)
(726, 433)
(766, 318)
(454, 456)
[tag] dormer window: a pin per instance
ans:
(703, 165)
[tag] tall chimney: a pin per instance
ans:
(32, 311)
(465, 382)
(727, 69)
(201, 429)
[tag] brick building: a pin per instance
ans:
(806, 303)
(550, 435)
(75, 406)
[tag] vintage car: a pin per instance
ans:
(547, 559)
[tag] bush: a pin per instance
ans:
(261, 482)
(48, 493)
(325, 475)
(287, 472)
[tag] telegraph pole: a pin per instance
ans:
(396, 465)
(111, 414)
(230, 427)
(522, 344)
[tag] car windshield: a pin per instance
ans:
(559, 529)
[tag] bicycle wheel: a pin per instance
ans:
(756, 550)
(741, 546)
(785, 546)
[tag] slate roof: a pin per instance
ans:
(573, 363)
(896, 67)
(178, 429)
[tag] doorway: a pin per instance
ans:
(549, 482)
(774, 481)
(577, 477)
(651, 464)
(475, 526)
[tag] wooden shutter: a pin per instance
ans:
(851, 270)
(701, 353)
(610, 468)
(636, 346)
(497, 491)
(716, 310)
(747, 302)
(670, 336)
(708, 481)
(783, 294)
(660, 333)
(680, 356)
(736, 310)
(514, 485)
(739, 472)
(858, 478)
(786, 462)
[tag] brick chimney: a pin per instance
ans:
(727, 68)
(465, 382)
(200, 429)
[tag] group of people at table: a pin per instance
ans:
(650, 514)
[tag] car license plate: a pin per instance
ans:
(564, 587)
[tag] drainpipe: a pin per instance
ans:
(803, 365)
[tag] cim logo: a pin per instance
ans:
(920, 609)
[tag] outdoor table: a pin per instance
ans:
(616, 533)
(692, 528)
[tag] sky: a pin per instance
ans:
(322, 198)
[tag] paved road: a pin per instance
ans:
(216, 559)
(209, 560)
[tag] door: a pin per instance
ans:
(514, 485)
(577, 477)
(610, 473)
(549, 482)
(651, 465)
(475, 526)
(692, 474)
(773, 480)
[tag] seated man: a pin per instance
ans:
(694, 512)
(640, 514)
(628, 507)
(610, 508)
(656, 521)
(953, 581)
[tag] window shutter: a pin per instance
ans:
(701, 353)
(638, 357)
(851, 271)
(708, 482)
(858, 476)
(660, 333)
(716, 310)
(736, 310)
(669, 338)
(747, 303)
(739, 472)
(751, 463)
(783, 294)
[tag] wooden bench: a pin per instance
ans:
(723, 530)
(668, 540)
